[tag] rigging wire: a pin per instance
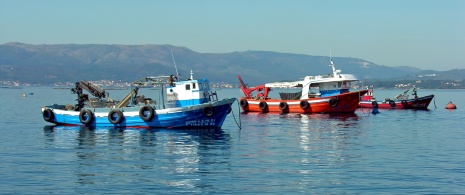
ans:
(232, 110)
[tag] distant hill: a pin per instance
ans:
(71, 62)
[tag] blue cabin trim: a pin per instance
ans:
(191, 102)
(326, 93)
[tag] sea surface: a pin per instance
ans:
(393, 152)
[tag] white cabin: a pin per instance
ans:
(188, 92)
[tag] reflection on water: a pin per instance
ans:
(152, 155)
(393, 152)
(316, 148)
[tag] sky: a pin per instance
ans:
(426, 34)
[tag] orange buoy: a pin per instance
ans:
(450, 105)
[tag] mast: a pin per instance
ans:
(177, 74)
(331, 61)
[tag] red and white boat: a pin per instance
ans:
(313, 94)
(401, 101)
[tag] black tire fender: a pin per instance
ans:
(208, 111)
(392, 103)
(244, 103)
(304, 104)
(374, 104)
(86, 120)
(262, 105)
(333, 102)
(115, 120)
(48, 115)
(283, 106)
(142, 113)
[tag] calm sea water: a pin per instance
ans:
(393, 152)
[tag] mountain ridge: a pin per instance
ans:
(50, 63)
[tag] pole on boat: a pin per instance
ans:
(175, 67)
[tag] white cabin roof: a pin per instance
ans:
(312, 79)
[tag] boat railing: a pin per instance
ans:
(290, 96)
(212, 96)
(101, 103)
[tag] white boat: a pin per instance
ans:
(184, 104)
(316, 94)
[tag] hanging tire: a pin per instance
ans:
(374, 104)
(404, 103)
(333, 102)
(115, 119)
(146, 116)
(392, 103)
(48, 115)
(304, 104)
(244, 103)
(86, 116)
(263, 106)
(208, 111)
(283, 106)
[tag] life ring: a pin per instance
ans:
(115, 120)
(262, 105)
(244, 103)
(143, 113)
(374, 104)
(404, 103)
(86, 117)
(48, 115)
(333, 102)
(283, 106)
(392, 103)
(208, 111)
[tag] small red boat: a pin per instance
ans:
(401, 101)
(315, 94)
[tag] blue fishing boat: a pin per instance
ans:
(188, 103)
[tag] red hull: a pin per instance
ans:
(419, 103)
(343, 103)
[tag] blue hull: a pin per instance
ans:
(180, 117)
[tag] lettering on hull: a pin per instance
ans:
(197, 123)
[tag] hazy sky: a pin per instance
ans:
(420, 33)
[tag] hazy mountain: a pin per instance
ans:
(72, 62)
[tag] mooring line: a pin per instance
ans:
(234, 116)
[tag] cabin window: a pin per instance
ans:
(339, 84)
(344, 84)
(188, 87)
(193, 86)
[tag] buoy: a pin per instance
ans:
(24, 95)
(450, 105)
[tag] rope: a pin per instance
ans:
(232, 110)
(434, 101)
(361, 108)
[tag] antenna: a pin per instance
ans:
(330, 58)
(332, 64)
(177, 74)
